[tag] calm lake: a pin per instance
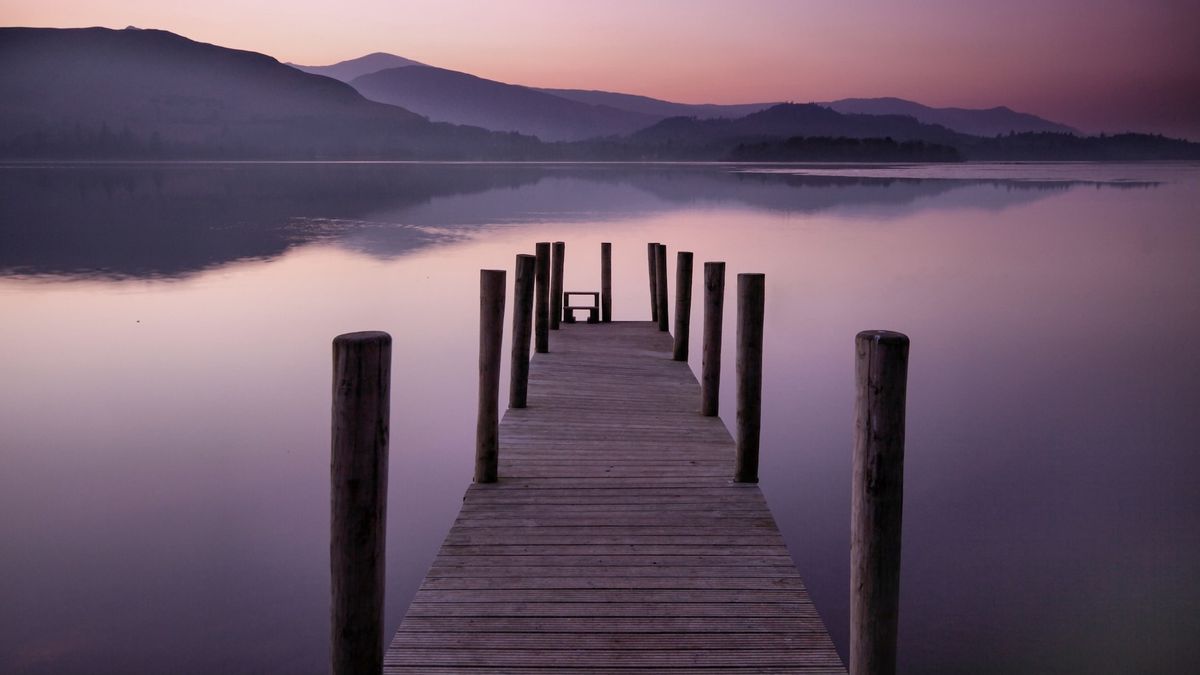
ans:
(164, 414)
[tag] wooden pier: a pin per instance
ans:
(614, 538)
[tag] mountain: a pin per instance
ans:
(788, 120)
(363, 65)
(96, 92)
(657, 107)
(977, 122)
(811, 132)
(451, 96)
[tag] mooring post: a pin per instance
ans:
(881, 373)
(541, 311)
(556, 285)
(751, 291)
(362, 366)
(652, 257)
(683, 304)
(714, 310)
(660, 279)
(491, 336)
(606, 282)
(522, 327)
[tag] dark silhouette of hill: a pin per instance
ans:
(686, 136)
(657, 107)
(96, 92)
(451, 96)
(810, 132)
(363, 65)
(977, 122)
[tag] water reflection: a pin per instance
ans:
(155, 221)
(164, 424)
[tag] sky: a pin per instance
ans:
(1099, 65)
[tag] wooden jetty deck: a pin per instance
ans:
(614, 539)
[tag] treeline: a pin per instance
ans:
(841, 149)
(89, 143)
(1048, 146)
(301, 139)
(321, 140)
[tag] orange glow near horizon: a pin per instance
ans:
(1109, 66)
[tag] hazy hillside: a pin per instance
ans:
(111, 93)
(978, 122)
(451, 96)
(657, 107)
(363, 65)
(788, 120)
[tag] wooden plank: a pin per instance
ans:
(629, 641)
(616, 583)
(635, 658)
(704, 595)
(609, 624)
(615, 539)
(425, 669)
(517, 569)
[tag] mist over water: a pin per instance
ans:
(164, 421)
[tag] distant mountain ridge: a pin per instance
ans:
(98, 93)
(974, 121)
(658, 107)
(788, 120)
(363, 65)
(459, 98)
(463, 98)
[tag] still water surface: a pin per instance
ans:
(165, 365)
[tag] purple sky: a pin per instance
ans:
(1108, 65)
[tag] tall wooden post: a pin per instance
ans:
(652, 258)
(714, 310)
(751, 292)
(522, 328)
(491, 336)
(556, 285)
(606, 282)
(683, 304)
(881, 373)
(362, 366)
(541, 310)
(660, 279)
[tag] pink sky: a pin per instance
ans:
(1107, 65)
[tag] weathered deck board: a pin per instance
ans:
(614, 540)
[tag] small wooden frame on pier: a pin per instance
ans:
(593, 309)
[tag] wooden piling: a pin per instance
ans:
(541, 310)
(660, 279)
(751, 292)
(652, 258)
(522, 328)
(683, 304)
(556, 285)
(606, 282)
(362, 364)
(714, 310)
(881, 372)
(491, 336)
